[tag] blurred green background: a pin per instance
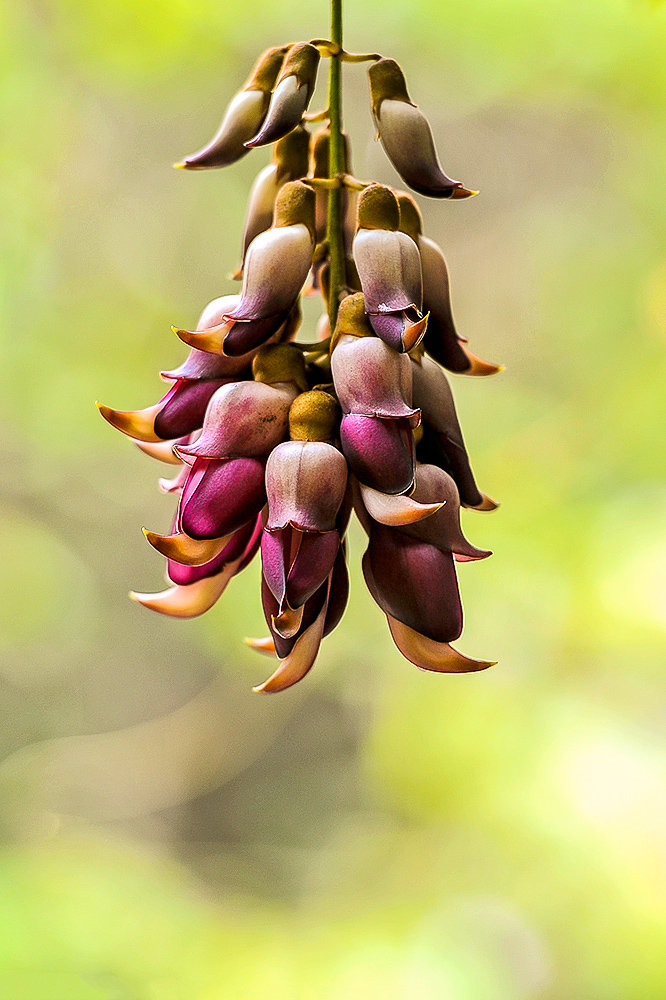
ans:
(377, 831)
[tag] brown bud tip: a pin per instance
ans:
(280, 363)
(320, 153)
(378, 208)
(295, 204)
(266, 69)
(411, 220)
(352, 319)
(302, 60)
(462, 192)
(387, 82)
(314, 416)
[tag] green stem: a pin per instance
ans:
(337, 277)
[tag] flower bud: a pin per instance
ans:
(389, 269)
(291, 96)
(406, 135)
(314, 416)
(242, 118)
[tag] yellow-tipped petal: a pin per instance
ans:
(396, 510)
(186, 550)
(264, 645)
(462, 192)
(189, 600)
(479, 366)
(210, 340)
(161, 450)
(288, 623)
(295, 666)
(414, 333)
(486, 504)
(139, 424)
(427, 654)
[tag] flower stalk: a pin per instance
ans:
(334, 237)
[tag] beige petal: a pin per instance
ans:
(288, 622)
(427, 654)
(161, 450)
(210, 340)
(265, 645)
(138, 424)
(478, 366)
(396, 510)
(189, 600)
(186, 550)
(487, 504)
(295, 666)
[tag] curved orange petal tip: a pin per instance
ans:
(395, 510)
(189, 600)
(486, 504)
(185, 550)
(295, 666)
(181, 165)
(265, 645)
(478, 366)
(210, 340)
(427, 654)
(161, 450)
(462, 192)
(135, 423)
(414, 334)
(288, 622)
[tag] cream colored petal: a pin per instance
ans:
(161, 450)
(265, 645)
(189, 600)
(396, 510)
(288, 622)
(139, 424)
(295, 666)
(186, 550)
(210, 340)
(479, 367)
(487, 504)
(427, 654)
(276, 266)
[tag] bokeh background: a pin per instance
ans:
(377, 831)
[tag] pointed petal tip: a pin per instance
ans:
(487, 504)
(138, 424)
(188, 600)
(185, 550)
(427, 654)
(395, 510)
(181, 165)
(462, 192)
(209, 341)
(265, 645)
(160, 450)
(479, 367)
(414, 333)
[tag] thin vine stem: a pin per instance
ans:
(334, 238)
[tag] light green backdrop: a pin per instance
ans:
(377, 831)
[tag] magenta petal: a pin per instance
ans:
(184, 407)
(313, 562)
(380, 452)
(273, 559)
(389, 327)
(229, 493)
(338, 594)
(413, 582)
(310, 612)
(204, 365)
(252, 546)
(246, 335)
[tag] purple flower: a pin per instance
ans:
(389, 269)
(406, 135)
(243, 117)
(291, 97)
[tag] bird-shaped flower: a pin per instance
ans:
(243, 117)
(406, 135)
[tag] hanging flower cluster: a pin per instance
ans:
(276, 441)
